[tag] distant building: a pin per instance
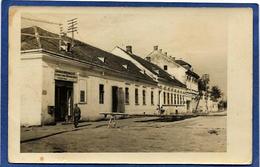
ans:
(206, 104)
(170, 91)
(181, 70)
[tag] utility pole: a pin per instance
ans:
(72, 28)
(61, 35)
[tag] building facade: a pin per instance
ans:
(59, 73)
(182, 71)
(98, 81)
(171, 92)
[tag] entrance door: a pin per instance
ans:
(114, 98)
(63, 100)
(188, 105)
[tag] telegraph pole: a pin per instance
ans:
(72, 28)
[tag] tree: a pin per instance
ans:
(203, 87)
(222, 104)
(215, 93)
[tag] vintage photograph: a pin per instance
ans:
(123, 80)
(141, 85)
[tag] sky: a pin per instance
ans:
(198, 36)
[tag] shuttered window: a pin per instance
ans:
(144, 98)
(164, 98)
(171, 98)
(152, 100)
(126, 95)
(101, 94)
(136, 96)
(168, 98)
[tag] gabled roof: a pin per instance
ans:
(163, 75)
(189, 72)
(81, 51)
(182, 63)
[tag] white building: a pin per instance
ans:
(55, 79)
(171, 92)
(181, 70)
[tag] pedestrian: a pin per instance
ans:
(77, 115)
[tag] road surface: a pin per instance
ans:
(199, 134)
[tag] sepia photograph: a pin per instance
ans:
(126, 80)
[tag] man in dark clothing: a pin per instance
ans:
(77, 114)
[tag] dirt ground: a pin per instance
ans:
(199, 134)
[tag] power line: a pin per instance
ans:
(72, 28)
(42, 21)
(46, 22)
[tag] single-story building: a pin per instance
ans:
(58, 73)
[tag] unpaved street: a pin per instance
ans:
(203, 134)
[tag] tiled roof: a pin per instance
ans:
(163, 75)
(82, 51)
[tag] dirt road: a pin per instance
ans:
(199, 134)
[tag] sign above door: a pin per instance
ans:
(65, 75)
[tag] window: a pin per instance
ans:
(171, 99)
(82, 96)
(183, 101)
(164, 98)
(168, 98)
(159, 97)
(101, 94)
(180, 99)
(175, 99)
(136, 96)
(152, 102)
(144, 98)
(126, 95)
(82, 91)
(165, 67)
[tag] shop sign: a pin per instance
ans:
(65, 76)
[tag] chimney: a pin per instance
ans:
(165, 53)
(148, 59)
(155, 48)
(129, 48)
(160, 50)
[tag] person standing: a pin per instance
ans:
(77, 115)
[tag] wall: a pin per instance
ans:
(178, 71)
(174, 69)
(31, 89)
(191, 84)
(174, 106)
(48, 97)
(89, 82)
(207, 105)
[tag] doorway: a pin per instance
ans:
(63, 101)
(118, 100)
(114, 98)
(188, 105)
